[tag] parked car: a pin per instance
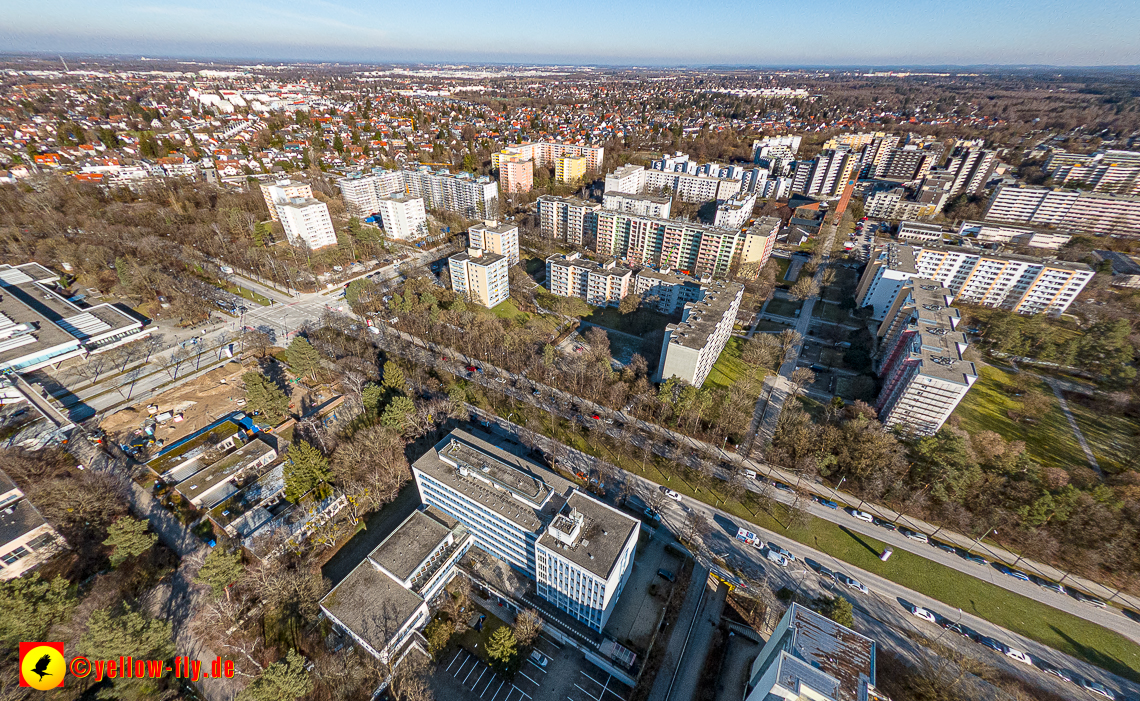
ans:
(974, 558)
(750, 474)
(1018, 655)
(772, 547)
(952, 626)
(1050, 585)
(782, 487)
(1097, 688)
(861, 515)
(1088, 599)
(538, 658)
(746, 536)
(884, 524)
(826, 502)
(1016, 574)
(666, 574)
(470, 368)
(914, 535)
(851, 582)
(1054, 671)
(923, 614)
(944, 547)
(776, 558)
(671, 494)
(992, 644)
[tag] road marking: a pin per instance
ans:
(590, 678)
(475, 667)
(460, 669)
(531, 680)
(453, 659)
(520, 691)
(536, 667)
(476, 684)
(496, 690)
(595, 698)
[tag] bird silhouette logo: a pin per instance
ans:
(42, 665)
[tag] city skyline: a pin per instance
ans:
(1012, 32)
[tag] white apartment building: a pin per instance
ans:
(775, 147)
(281, 191)
(829, 172)
(688, 188)
(668, 243)
(28, 539)
(578, 550)
(734, 212)
(668, 291)
(461, 193)
(568, 219)
(1109, 170)
(480, 276)
(570, 275)
(362, 193)
(402, 217)
(1093, 212)
(690, 348)
(306, 220)
(546, 152)
(1023, 284)
(496, 238)
(971, 165)
(921, 232)
(919, 359)
(760, 241)
(658, 206)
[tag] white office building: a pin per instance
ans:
(578, 550)
(306, 221)
(402, 217)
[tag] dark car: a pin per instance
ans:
(885, 524)
(944, 547)
(826, 502)
(974, 558)
(666, 574)
(993, 644)
(1013, 573)
(782, 487)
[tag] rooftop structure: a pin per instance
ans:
(690, 348)
(26, 539)
(570, 275)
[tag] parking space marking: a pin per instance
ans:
(536, 667)
(473, 668)
(476, 684)
(520, 691)
(460, 669)
(531, 680)
(496, 690)
(595, 698)
(457, 654)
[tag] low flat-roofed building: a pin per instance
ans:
(920, 231)
(39, 326)
(216, 482)
(26, 539)
(386, 597)
(809, 657)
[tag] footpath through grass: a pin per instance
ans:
(1057, 629)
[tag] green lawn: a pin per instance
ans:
(782, 265)
(767, 326)
(1049, 440)
(783, 307)
(830, 312)
(475, 641)
(1101, 431)
(729, 368)
(248, 294)
(637, 323)
(507, 310)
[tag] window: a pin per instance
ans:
(18, 553)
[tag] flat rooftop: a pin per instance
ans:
(486, 259)
(702, 317)
(840, 652)
(1036, 260)
(226, 467)
(604, 533)
(371, 604)
(409, 545)
(641, 197)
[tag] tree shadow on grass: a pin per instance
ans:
(1097, 657)
(855, 536)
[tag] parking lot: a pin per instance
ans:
(475, 677)
(595, 685)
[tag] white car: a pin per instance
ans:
(851, 582)
(671, 494)
(862, 515)
(772, 547)
(924, 614)
(1019, 656)
(776, 558)
(1097, 688)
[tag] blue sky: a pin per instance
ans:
(624, 32)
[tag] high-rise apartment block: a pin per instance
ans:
(480, 276)
(283, 190)
(568, 219)
(688, 188)
(516, 174)
(809, 657)
(666, 291)
(570, 275)
(1092, 212)
(578, 550)
(1109, 171)
(760, 241)
(402, 217)
(775, 147)
(658, 206)
(545, 152)
(690, 348)
(460, 193)
(496, 238)
(569, 169)
(919, 359)
(306, 220)
(734, 212)
(971, 164)
(1023, 284)
(828, 173)
(667, 243)
(910, 162)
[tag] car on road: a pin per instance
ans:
(537, 393)
(470, 368)
(1016, 574)
(750, 474)
(825, 502)
(974, 558)
(782, 487)
(772, 547)
(923, 614)
(595, 417)
(944, 547)
(1088, 599)
(861, 515)
(992, 644)
(1097, 688)
(884, 524)
(500, 380)
(1054, 671)
(851, 582)
(914, 535)
(776, 558)
(953, 627)
(1049, 584)
(671, 494)
(1018, 655)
